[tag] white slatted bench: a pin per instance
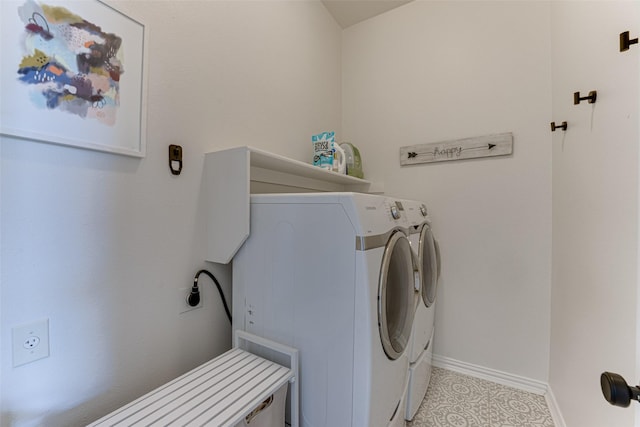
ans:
(219, 393)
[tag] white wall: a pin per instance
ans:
(100, 244)
(434, 71)
(595, 213)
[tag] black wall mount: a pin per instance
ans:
(554, 126)
(175, 159)
(591, 97)
(625, 41)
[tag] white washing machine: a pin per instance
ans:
(331, 274)
(427, 269)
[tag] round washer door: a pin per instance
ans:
(428, 265)
(396, 296)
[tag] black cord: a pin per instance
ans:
(194, 296)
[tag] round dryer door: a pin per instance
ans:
(396, 296)
(428, 265)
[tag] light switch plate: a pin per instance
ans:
(30, 342)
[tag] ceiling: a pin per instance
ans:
(349, 12)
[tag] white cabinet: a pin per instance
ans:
(232, 175)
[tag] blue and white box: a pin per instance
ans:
(323, 149)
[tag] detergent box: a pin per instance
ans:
(323, 149)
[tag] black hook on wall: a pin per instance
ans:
(591, 97)
(554, 126)
(625, 42)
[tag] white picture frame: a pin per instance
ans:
(73, 73)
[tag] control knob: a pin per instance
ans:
(395, 213)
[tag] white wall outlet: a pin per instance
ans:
(30, 342)
(182, 295)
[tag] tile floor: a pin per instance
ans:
(456, 400)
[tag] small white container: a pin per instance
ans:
(339, 159)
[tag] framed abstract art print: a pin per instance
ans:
(73, 73)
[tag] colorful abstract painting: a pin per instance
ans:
(73, 65)
(73, 72)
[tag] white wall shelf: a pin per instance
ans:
(232, 175)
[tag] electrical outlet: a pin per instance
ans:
(182, 295)
(30, 342)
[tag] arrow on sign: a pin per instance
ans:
(481, 147)
(412, 154)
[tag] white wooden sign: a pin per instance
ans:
(468, 148)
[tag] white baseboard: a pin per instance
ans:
(552, 404)
(500, 377)
(504, 378)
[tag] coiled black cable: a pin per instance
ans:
(194, 297)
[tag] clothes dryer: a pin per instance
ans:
(427, 269)
(331, 274)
